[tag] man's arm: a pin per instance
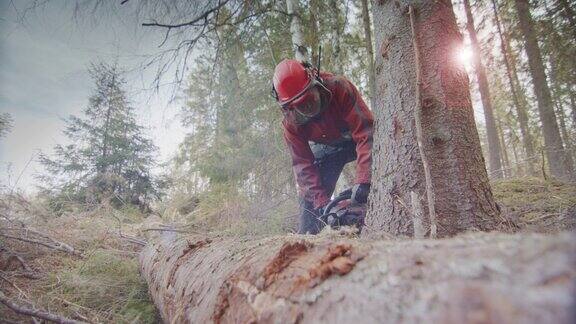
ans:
(360, 121)
(305, 171)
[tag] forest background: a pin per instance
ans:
(231, 171)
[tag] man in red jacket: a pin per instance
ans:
(326, 125)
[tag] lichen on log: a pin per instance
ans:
(494, 278)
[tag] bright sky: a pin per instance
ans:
(43, 78)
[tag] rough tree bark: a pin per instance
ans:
(494, 154)
(556, 92)
(369, 50)
(519, 103)
(314, 30)
(337, 29)
(488, 278)
(568, 13)
(507, 170)
(296, 30)
(463, 198)
(558, 159)
(573, 106)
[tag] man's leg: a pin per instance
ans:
(330, 166)
(309, 223)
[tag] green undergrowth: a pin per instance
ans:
(106, 287)
(538, 204)
(226, 210)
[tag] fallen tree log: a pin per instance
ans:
(479, 278)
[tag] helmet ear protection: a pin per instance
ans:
(274, 93)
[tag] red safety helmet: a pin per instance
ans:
(291, 80)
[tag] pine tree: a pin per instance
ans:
(109, 157)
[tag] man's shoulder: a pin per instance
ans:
(334, 80)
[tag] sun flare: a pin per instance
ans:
(464, 55)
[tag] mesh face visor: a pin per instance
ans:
(309, 104)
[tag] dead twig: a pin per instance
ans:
(35, 313)
(18, 258)
(417, 214)
(59, 246)
(127, 237)
(133, 239)
(28, 271)
(13, 285)
(193, 22)
(418, 121)
(167, 230)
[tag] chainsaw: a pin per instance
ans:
(340, 211)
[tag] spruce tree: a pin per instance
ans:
(109, 157)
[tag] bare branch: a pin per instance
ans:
(192, 22)
(59, 246)
(13, 285)
(33, 312)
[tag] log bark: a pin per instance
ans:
(491, 278)
(462, 196)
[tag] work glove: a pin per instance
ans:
(320, 210)
(360, 193)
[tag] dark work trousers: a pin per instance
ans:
(330, 161)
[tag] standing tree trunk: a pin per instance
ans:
(296, 30)
(565, 134)
(559, 161)
(463, 198)
(507, 170)
(556, 92)
(314, 30)
(573, 106)
(568, 13)
(338, 64)
(519, 103)
(494, 154)
(369, 50)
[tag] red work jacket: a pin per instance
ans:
(346, 111)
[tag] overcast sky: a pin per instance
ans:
(43, 78)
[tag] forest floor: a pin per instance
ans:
(98, 281)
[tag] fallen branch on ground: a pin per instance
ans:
(59, 246)
(36, 313)
(133, 239)
(168, 230)
(13, 285)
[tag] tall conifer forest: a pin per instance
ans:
(288, 161)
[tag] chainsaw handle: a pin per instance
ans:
(344, 195)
